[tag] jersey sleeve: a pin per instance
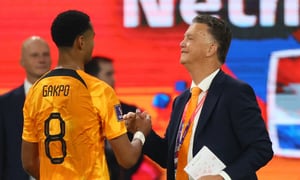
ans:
(29, 130)
(110, 112)
(113, 123)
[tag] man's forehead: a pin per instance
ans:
(196, 28)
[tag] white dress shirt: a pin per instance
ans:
(204, 86)
(27, 86)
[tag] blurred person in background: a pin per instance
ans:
(102, 68)
(35, 59)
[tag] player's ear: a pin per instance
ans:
(79, 42)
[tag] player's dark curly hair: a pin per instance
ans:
(67, 26)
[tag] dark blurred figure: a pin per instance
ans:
(35, 59)
(102, 68)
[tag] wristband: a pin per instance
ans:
(139, 135)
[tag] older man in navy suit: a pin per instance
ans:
(227, 119)
(35, 59)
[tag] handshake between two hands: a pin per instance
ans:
(138, 121)
(141, 121)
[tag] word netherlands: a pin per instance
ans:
(56, 90)
(240, 13)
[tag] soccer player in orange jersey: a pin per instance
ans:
(68, 114)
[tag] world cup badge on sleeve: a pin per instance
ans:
(118, 111)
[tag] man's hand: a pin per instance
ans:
(138, 121)
(129, 119)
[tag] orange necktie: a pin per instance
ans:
(183, 151)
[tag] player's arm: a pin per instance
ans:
(127, 153)
(30, 158)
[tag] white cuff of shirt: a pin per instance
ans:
(225, 175)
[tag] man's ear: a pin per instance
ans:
(212, 49)
(79, 42)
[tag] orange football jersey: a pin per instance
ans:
(69, 114)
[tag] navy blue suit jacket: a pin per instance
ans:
(230, 125)
(11, 127)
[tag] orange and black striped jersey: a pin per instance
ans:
(69, 114)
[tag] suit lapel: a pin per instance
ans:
(177, 115)
(209, 104)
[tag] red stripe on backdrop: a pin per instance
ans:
(144, 57)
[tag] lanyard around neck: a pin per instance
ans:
(181, 135)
